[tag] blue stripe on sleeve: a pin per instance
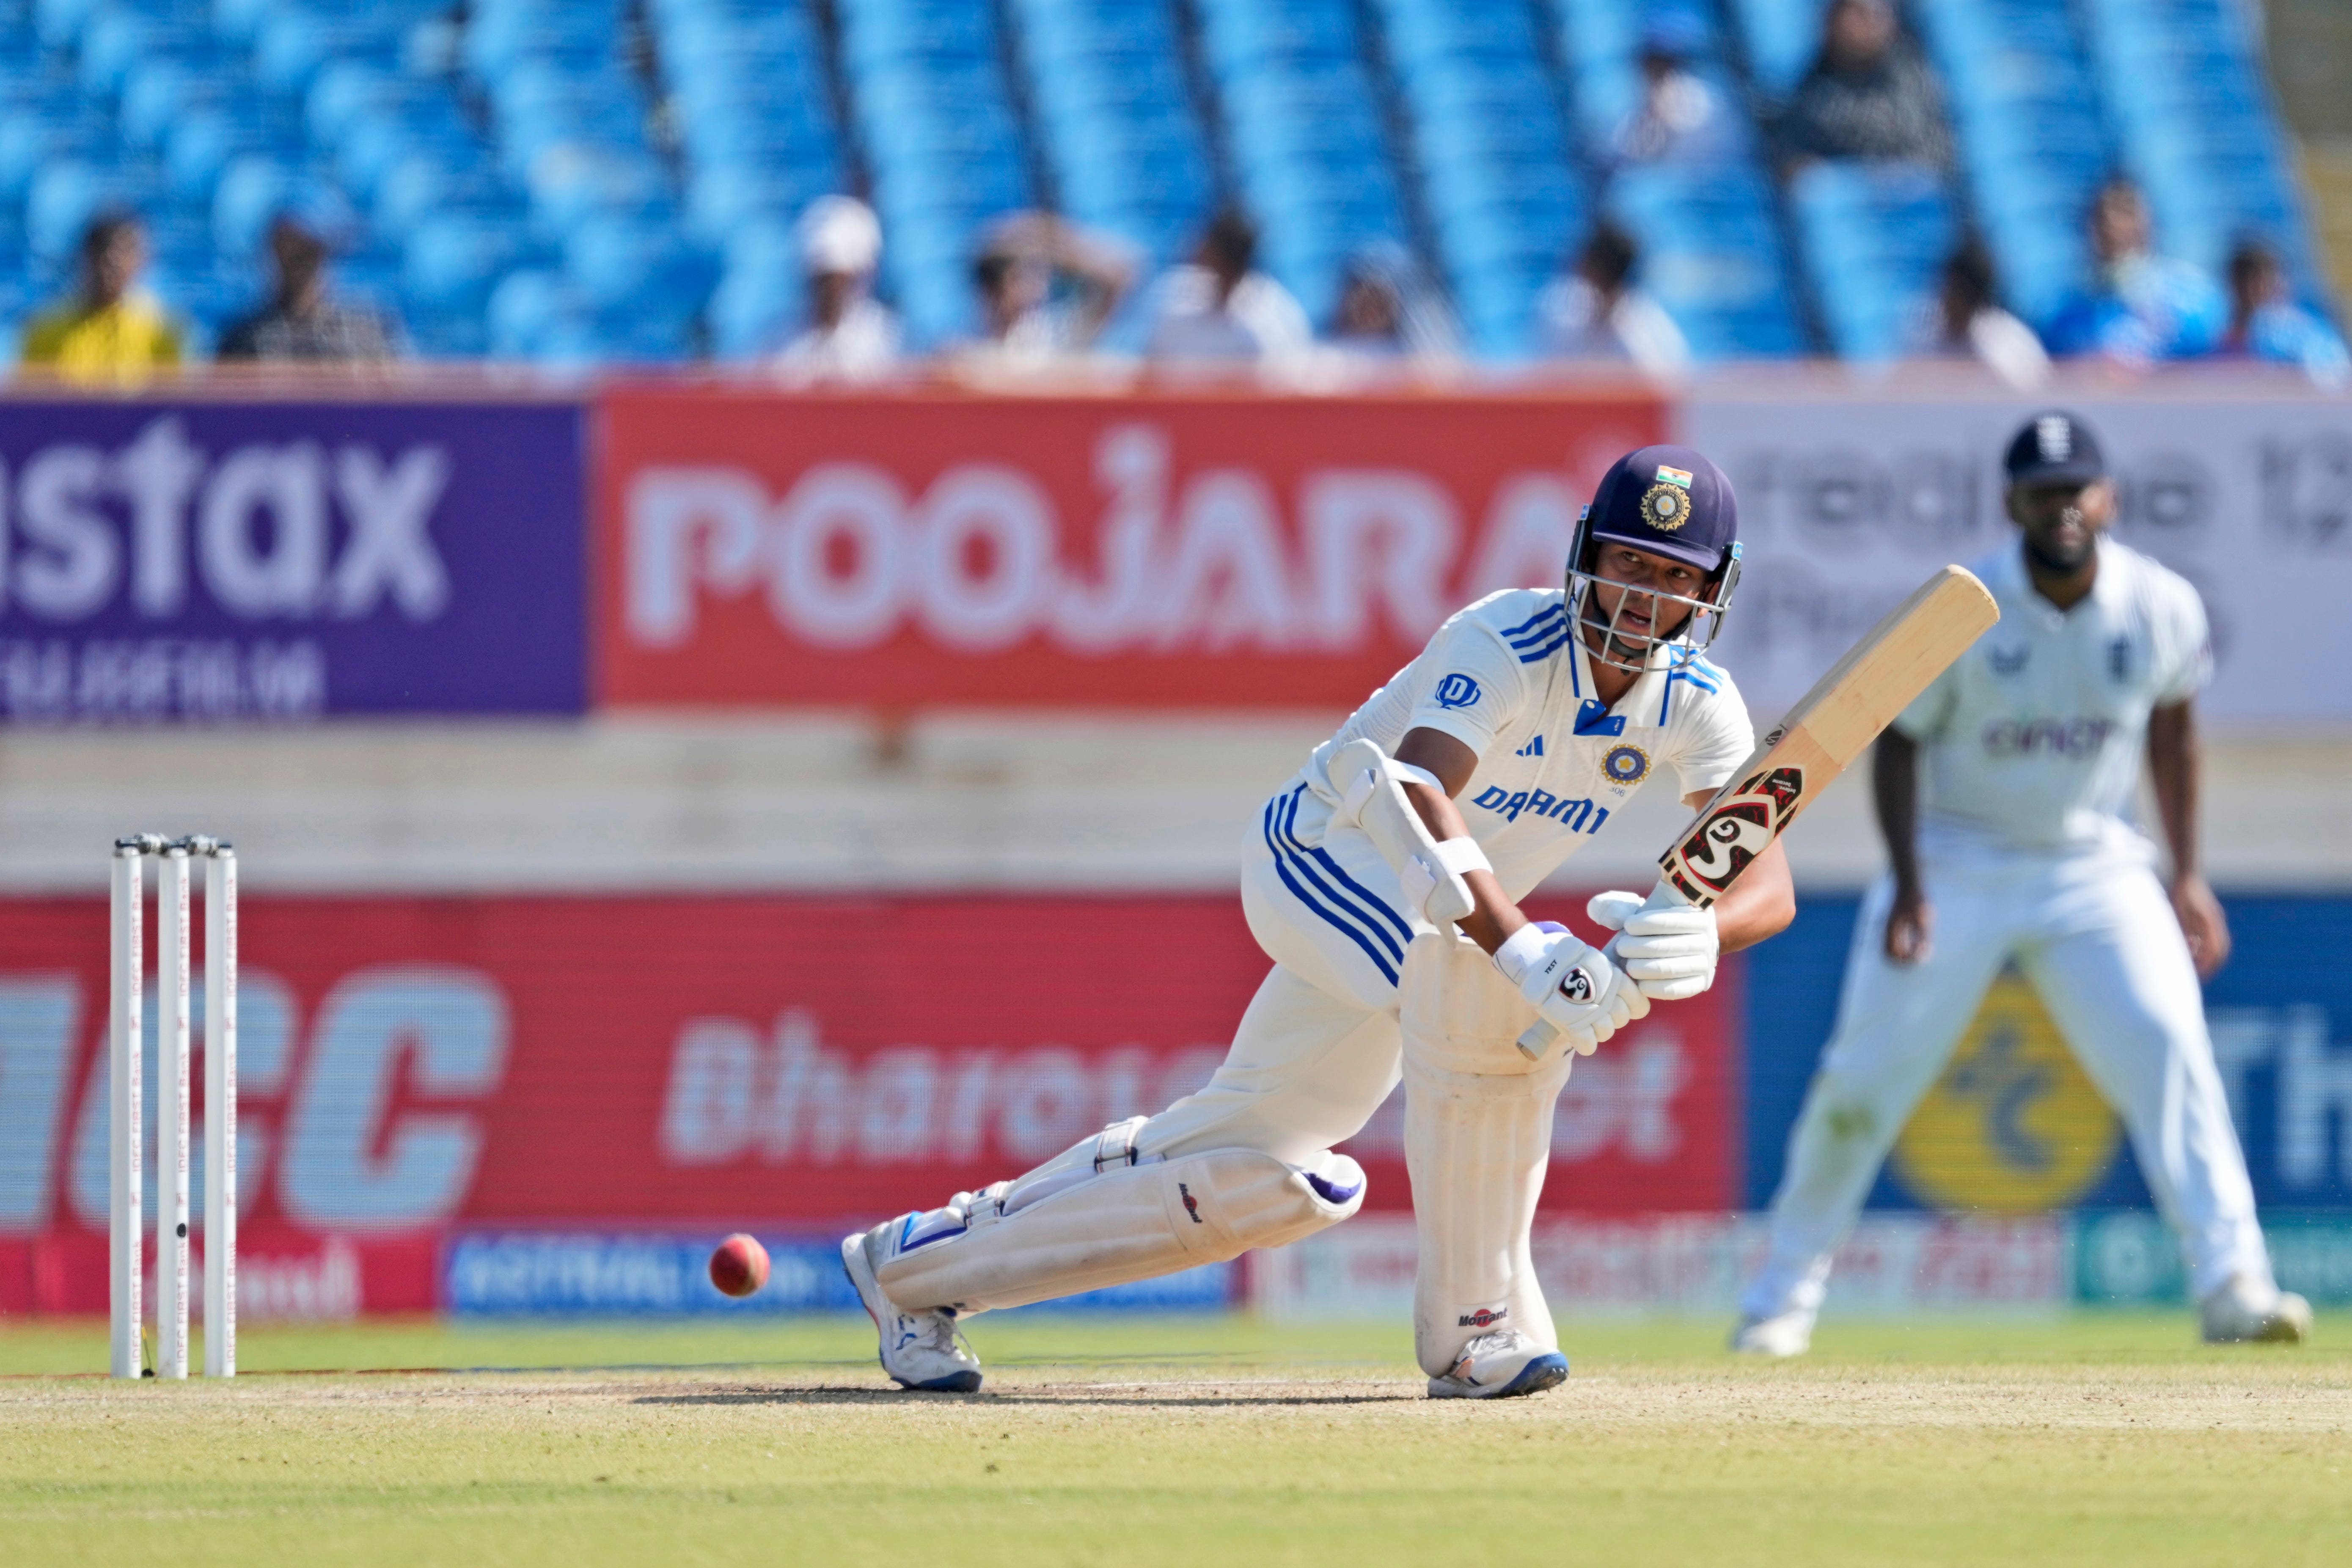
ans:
(1536, 656)
(1531, 620)
(1542, 626)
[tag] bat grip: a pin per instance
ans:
(1536, 1041)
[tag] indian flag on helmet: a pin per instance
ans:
(1678, 477)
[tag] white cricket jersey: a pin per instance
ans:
(1506, 679)
(2031, 741)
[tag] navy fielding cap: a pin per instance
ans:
(1669, 500)
(2054, 448)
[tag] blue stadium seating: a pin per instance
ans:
(1712, 252)
(928, 95)
(1875, 238)
(1303, 120)
(1116, 124)
(1492, 149)
(1781, 38)
(2184, 88)
(511, 180)
(2032, 147)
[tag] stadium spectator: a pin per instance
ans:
(1219, 310)
(1681, 119)
(1388, 313)
(2265, 323)
(2141, 307)
(1868, 95)
(1596, 312)
(112, 330)
(850, 336)
(1965, 321)
(303, 322)
(1047, 287)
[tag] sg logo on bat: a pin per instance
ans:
(1736, 828)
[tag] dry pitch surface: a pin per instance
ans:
(2102, 1438)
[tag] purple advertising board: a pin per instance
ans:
(283, 560)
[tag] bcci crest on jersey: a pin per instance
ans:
(1626, 764)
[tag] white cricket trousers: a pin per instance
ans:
(2096, 937)
(1318, 1048)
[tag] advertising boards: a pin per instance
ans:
(283, 560)
(486, 1070)
(1239, 552)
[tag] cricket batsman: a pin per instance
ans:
(2004, 793)
(1383, 881)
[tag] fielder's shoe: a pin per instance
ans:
(1501, 1365)
(2243, 1312)
(1790, 1333)
(920, 1350)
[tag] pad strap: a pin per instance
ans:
(1115, 1145)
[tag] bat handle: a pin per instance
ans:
(1536, 1041)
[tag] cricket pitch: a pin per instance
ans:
(1182, 1440)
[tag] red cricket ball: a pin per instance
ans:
(740, 1267)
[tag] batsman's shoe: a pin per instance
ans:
(1789, 1333)
(2243, 1312)
(1501, 1365)
(920, 1350)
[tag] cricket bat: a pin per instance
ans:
(1830, 727)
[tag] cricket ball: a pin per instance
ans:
(740, 1267)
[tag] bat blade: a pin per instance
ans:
(1831, 726)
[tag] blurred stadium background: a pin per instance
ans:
(679, 593)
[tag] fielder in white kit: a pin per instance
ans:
(1495, 754)
(2005, 795)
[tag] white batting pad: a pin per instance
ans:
(1113, 1223)
(1477, 1136)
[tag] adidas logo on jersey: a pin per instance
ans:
(1532, 749)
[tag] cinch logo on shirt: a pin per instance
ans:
(1456, 690)
(2051, 737)
(1570, 814)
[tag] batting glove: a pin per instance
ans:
(1572, 985)
(1665, 944)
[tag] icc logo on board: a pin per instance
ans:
(2013, 1125)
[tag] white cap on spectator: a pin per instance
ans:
(839, 234)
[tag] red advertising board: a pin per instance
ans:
(912, 550)
(410, 1063)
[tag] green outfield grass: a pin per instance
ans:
(2097, 1437)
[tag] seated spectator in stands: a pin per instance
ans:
(1047, 287)
(1219, 310)
(2141, 307)
(1966, 323)
(1596, 314)
(1869, 95)
(2265, 323)
(302, 323)
(1389, 315)
(112, 330)
(850, 336)
(1680, 119)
